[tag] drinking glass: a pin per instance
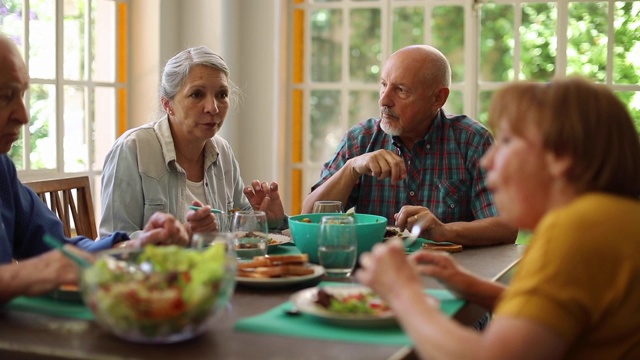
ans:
(337, 245)
(251, 233)
(327, 206)
(224, 221)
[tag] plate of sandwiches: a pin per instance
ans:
(277, 271)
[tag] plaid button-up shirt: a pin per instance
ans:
(443, 170)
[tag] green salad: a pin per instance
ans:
(160, 291)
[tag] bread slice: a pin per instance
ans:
(274, 266)
(448, 247)
(252, 274)
(286, 259)
(256, 262)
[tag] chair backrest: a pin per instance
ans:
(70, 199)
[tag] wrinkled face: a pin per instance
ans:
(518, 175)
(199, 108)
(406, 102)
(14, 82)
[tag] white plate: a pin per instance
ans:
(401, 233)
(318, 271)
(278, 239)
(305, 301)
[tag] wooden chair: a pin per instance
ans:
(70, 199)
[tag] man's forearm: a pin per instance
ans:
(337, 187)
(489, 231)
(34, 276)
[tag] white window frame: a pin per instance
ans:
(471, 87)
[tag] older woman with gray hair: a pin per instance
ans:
(179, 160)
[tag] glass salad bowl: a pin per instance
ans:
(159, 294)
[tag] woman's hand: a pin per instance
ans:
(162, 229)
(265, 197)
(386, 270)
(201, 220)
(443, 267)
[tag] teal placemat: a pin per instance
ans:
(52, 307)
(276, 321)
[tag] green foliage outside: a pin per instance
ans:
(587, 45)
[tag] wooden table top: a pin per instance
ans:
(33, 336)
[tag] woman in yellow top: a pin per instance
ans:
(566, 163)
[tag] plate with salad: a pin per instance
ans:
(349, 305)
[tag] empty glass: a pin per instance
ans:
(327, 206)
(250, 230)
(337, 245)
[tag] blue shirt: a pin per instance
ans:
(24, 219)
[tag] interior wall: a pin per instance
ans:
(247, 35)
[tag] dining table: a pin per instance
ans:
(30, 335)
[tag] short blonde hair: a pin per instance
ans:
(582, 120)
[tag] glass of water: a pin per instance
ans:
(250, 229)
(327, 206)
(337, 245)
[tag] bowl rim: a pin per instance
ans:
(296, 218)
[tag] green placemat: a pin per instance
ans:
(284, 249)
(276, 321)
(49, 306)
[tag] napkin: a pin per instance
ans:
(276, 321)
(48, 306)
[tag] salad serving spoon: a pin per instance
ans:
(57, 244)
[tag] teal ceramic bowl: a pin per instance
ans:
(369, 230)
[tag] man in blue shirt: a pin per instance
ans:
(24, 218)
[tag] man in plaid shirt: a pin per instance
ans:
(416, 164)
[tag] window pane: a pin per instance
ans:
(539, 41)
(42, 126)
(366, 49)
(104, 129)
(103, 44)
(484, 100)
(587, 40)
(454, 103)
(326, 45)
(76, 148)
(16, 153)
(626, 51)
(408, 27)
(448, 36)
(496, 42)
(632, 99)
(74, 40)
(11, 21)
(42, 40)
(362, 105)
(326, 131)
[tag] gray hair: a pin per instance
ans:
(178, 67)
